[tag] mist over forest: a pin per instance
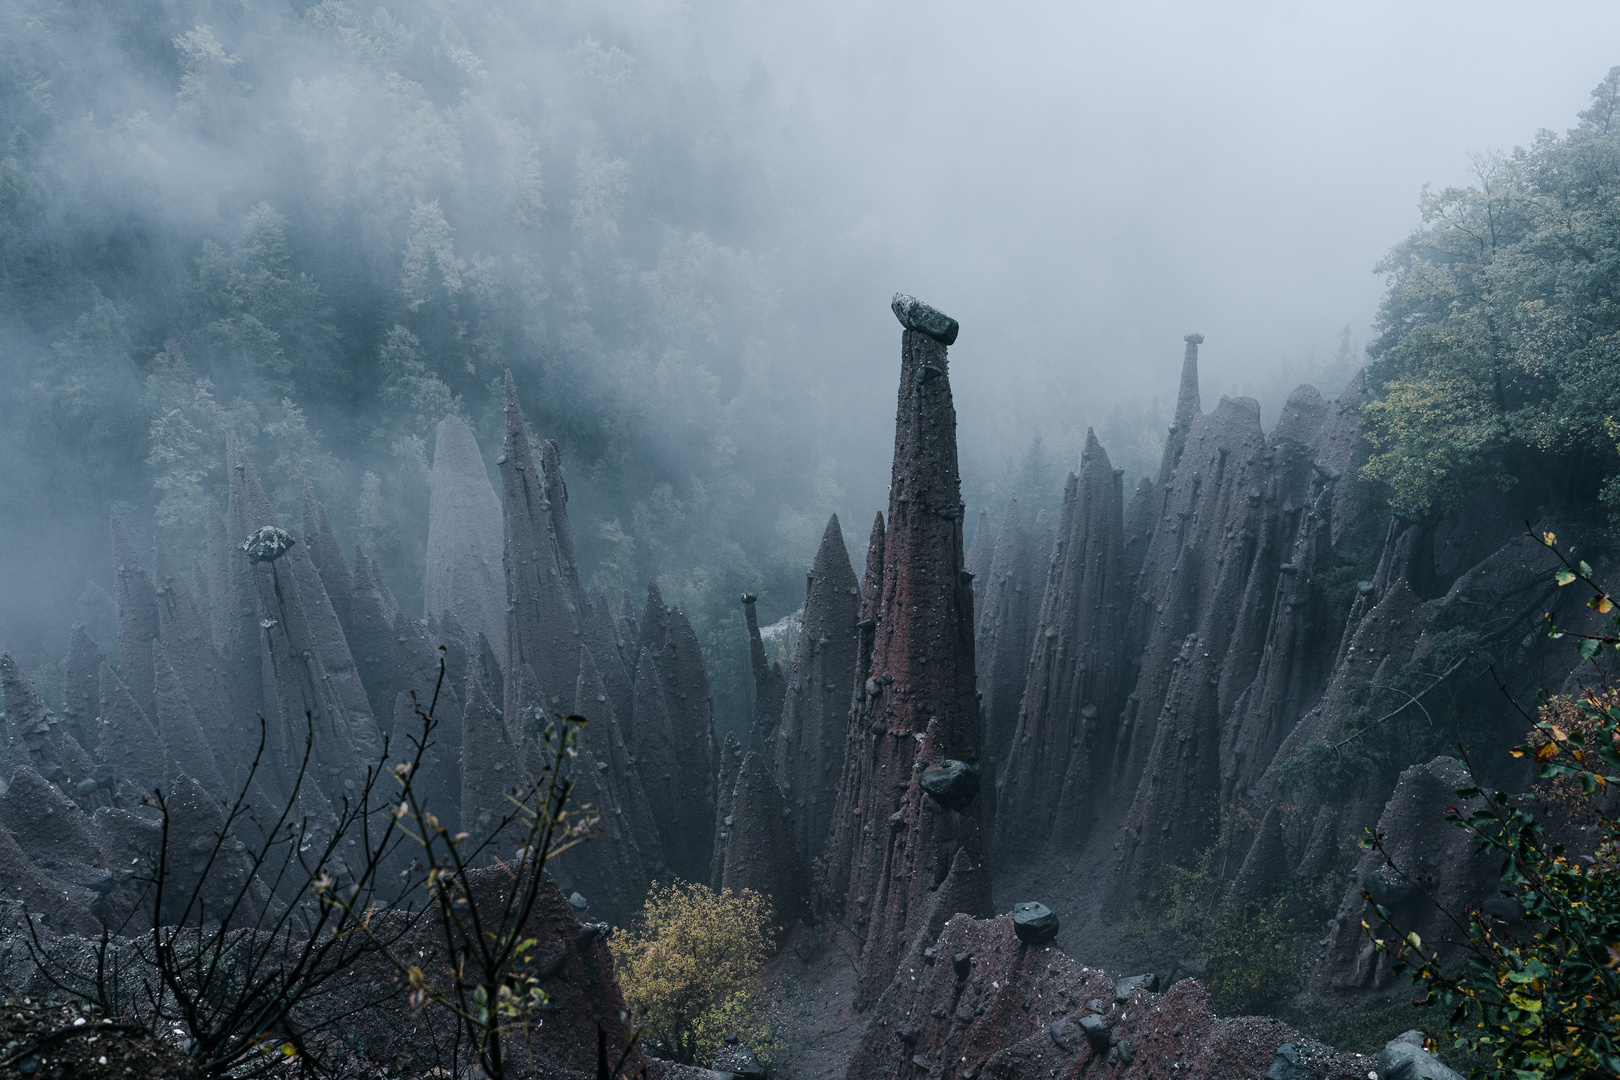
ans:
(1249, 493)
(323, 227)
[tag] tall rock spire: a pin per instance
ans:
(464, 572)
(1188, 408)
(770, 686)
(845, 841)
(83, 686)
(1001, 643)
(924, 710)
(490, 764)
(1232, 516)
(562, 533)
(689, 704)
(1064, 740)
(603, 639)
(543, 616)
(128, 742)
(809, 749)
(186, 647)
(182, 732)
(137, 616)
(730, 762)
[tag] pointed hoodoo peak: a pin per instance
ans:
(759, 849)
(137, 615)
(23, 707)
(809, 750)
(1092, 447)
(832, 544)
(544, 606)
(83, 689)
(562, 533)
(654, 621)
(464, 536)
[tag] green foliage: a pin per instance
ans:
(1252, 948)
(1540, 998)
(1497, 350)
(418, 399)
(690, 968)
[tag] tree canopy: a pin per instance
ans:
(1499, 339)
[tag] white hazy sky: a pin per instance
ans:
(1081, 184)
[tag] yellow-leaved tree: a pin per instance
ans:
(690, 969)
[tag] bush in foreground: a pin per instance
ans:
(690, 967)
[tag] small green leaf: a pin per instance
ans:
(1588, 648)
(1564, 576)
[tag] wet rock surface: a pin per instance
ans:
(1404, 1058)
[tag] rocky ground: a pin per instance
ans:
(812, 984)
(53, 1042)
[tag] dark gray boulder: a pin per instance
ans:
(1034, 923)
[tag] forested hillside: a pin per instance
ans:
(321, 228)
(1497, 343)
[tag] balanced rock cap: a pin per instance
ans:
(268, 544)
(916, 315)
(1034, 923)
